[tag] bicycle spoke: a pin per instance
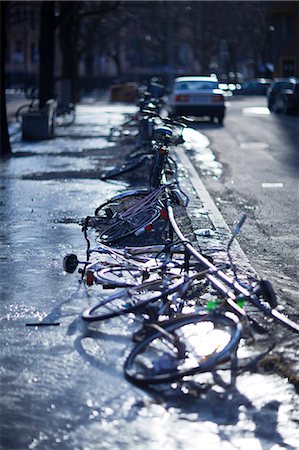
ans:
(190, 346)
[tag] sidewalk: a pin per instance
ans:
(63, 386)
(210, 229)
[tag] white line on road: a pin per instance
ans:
(256, 110)
(272, 185)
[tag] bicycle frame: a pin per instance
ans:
(228, 286)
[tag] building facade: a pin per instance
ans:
(22, 53)
(284, 38)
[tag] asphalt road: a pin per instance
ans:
(256, 156)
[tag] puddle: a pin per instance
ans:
(195, 139)
(204, 232)
(202, 155)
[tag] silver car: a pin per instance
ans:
(197, 96)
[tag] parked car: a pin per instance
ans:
(257, 86)
(283, 96)
(197, 96)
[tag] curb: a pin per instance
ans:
(201, 207)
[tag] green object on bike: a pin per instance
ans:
(241, 302)
(212, 304)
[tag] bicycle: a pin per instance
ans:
(132, 299)
(65, 113)
(139, 216)
(136, 122)
(166, 347)
(257, 294)
(144, 150)
(131, 266)
(136, 219)
(169, 277)
(137, 211)
(28, 107)
(178, 347)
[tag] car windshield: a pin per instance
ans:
(196, 85)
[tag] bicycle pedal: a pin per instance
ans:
(109, 213)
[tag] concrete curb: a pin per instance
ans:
(203, 204)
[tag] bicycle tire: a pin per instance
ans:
(119, 276)
(129, 226)
(66, 118)
(130, 300)
(23, 110)
(125, 168)
(127, 275)
(130, 275)
(168, 354)
(123, 200)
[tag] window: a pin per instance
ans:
(197, 85)
(7, 53)
(33, 53)
(289, 26)
(32, 20)
(288, 68)
(18, 55)
(277, 25)
(19, 47)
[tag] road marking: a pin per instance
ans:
(256, 110)
(254, 145)
(272, 185)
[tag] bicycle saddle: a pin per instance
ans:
(162, 133)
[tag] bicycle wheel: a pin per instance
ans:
(134, 224)
(122, 201)
(127, 276)
(182, 347)
(21, 111)
(65, 116)
(125, 168)
(131, 300)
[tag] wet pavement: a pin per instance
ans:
(62, 386)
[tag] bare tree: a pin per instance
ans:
(5, 148)
(46, 52)
(78, 24)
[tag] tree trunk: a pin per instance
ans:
(5, 148)
(68, 37)
(47, 53)
(116, 59)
